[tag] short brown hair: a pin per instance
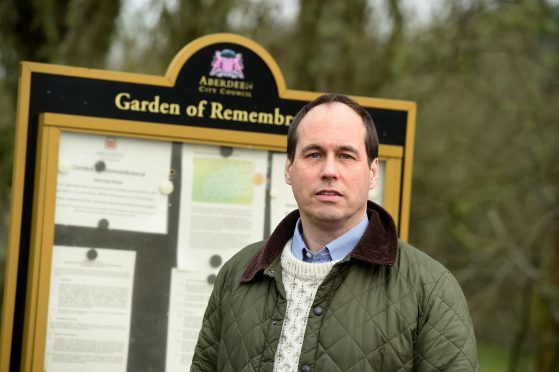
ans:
(371, 137)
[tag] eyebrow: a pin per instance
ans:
(312, 146)
(316, 146)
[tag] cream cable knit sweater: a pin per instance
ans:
(301, 280)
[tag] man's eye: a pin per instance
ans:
(346, 156)
(314, 155)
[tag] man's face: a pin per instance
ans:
(330, 174)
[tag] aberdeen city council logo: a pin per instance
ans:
(110, 143)
(227, 63)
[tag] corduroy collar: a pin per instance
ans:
(379, 244)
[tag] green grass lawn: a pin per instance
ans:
(494, 358)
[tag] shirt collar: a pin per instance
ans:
(333, 251)
(378, 246)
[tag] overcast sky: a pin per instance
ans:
(418, 10)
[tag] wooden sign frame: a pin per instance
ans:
(247, 106)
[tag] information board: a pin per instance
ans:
(131, 191)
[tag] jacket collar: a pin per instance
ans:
(379, 244)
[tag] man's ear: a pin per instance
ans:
(373, 174)
(287, 171)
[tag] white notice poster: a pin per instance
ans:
(282, 201)
(190, 292)
(89, 312)
(222, 204)
(113, 182)
(377, 194)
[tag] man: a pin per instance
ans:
(333, 289)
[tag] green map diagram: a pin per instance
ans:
(223, 181)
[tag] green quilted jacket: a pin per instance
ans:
(387, 307)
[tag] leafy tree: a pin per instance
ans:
(73, 32)
(485, 193)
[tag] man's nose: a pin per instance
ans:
(329, 168)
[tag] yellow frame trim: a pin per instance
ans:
(164, 132)
(405, 202)
(40, 255)
(16, 210)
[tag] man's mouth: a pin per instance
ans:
(329, 193)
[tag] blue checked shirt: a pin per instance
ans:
(333, 251)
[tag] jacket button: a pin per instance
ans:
(318, 310)
(305, 368)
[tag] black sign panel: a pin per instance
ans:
(238, 92)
